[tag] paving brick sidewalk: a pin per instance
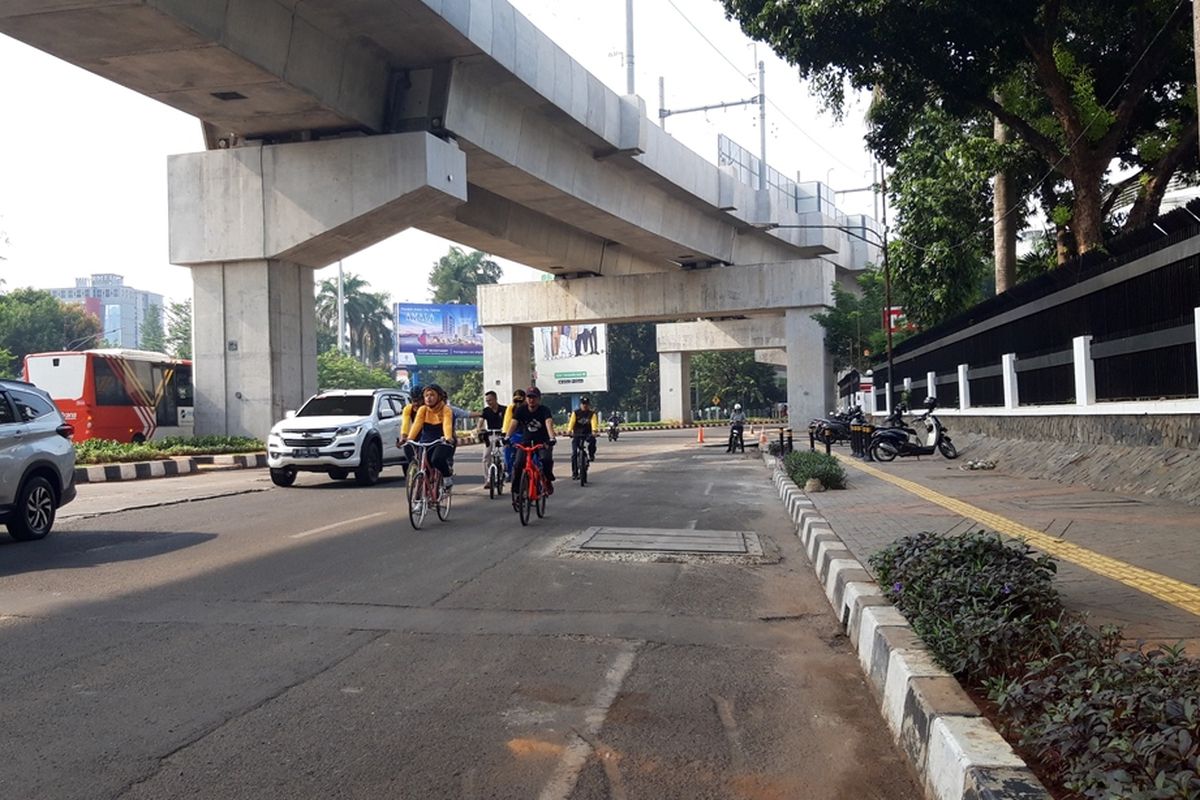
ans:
(1154, 534)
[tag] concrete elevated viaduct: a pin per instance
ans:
(334, 125)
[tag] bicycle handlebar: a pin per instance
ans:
(415, 443)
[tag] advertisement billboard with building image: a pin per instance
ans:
(438, 336)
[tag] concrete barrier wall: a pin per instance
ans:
(1180, 431)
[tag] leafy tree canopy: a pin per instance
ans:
(34, 321)
(728, 377)
(178, 339)
(339, 371)
(456, 275)
(1080, 82)
(153, 337)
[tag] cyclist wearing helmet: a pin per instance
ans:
(434, 421)
(737, 420)
(581, 427)
(518, 401)
(535, 424)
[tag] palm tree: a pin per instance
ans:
(456, 275)
(368, 317)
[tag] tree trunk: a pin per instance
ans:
(1004, 232)
(1149, 199)
(1087, 222)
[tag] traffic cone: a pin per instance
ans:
(700, 435)
(762, 438)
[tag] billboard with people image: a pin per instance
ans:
(571, 358)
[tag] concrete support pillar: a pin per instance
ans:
(507, 356)
(964, 387)
(887, 397)
(675, 386)
(811, 390)
(1085, 371)
(1008, 367)
(931, 384)
(255, 344)
(253, 222)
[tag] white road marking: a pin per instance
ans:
(691, 526)
(573, 758)
(708, 490)
(324, 528)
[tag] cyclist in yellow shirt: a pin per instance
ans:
(432, 421)
(581, 427)
(510, 452)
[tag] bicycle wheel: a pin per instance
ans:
(523, 502)
(443, 503)
(418, 502)
(490, 477)
(540, 505)
(410, 478)
(583, 467)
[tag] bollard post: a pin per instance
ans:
(789, 440)
(812, 440)
(828, 447)
(781, 450)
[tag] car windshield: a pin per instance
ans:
(338, 406)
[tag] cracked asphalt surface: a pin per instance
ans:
(214, 636)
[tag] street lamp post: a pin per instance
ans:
(882, 242)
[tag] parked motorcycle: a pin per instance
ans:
(924, 436)
(835, 427)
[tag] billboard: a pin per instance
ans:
(571, 358)
(438, 336)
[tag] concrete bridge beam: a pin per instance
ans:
(253, 223)
(729, 334)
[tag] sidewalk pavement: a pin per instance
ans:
(1131, 561)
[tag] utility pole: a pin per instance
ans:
(1196, 45)
(629, 47)
(1004, 232)
(762, 127)
(887, 289)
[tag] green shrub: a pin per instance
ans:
(804, 464)
(107, 451)
(1102, 723)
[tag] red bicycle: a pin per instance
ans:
(530, 488)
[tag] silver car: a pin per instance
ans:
(37, 460)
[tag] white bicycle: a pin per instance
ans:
(493, 463)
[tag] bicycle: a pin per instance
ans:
(427, 488)
(530, 488)
(580, 458)
(493, 463)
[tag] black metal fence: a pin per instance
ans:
(1138, 303)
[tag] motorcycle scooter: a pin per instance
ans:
(836, 427)
(924, 437)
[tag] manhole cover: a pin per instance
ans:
(666, 540)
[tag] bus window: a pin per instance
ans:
(109, 390)
(183, 386)
(167, 412)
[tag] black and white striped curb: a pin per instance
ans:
(234, 460)
(956, 752)
(100, 473)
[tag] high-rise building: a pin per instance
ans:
(120, 308)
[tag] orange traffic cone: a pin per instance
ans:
(700, 435)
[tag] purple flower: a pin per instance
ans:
(897, 587)
(1007, 589)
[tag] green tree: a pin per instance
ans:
(734, 376)
(339, 371)
(34, 321)
(7, 360)
(456, 275)
(1080, 82)
(854, 333)
(153, 337)
(179, 329)
(368, 317)
(469, 393)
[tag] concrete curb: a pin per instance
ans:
(135, 470)
(956, 753)
(234, 460)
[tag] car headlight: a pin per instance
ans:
(349, 430)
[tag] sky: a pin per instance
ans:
(85, 190)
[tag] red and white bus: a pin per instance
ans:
(126, 395)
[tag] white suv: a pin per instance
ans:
(37, 460)
(339, 432)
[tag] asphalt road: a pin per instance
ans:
(215, 636)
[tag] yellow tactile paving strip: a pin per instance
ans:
(1162, 587)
